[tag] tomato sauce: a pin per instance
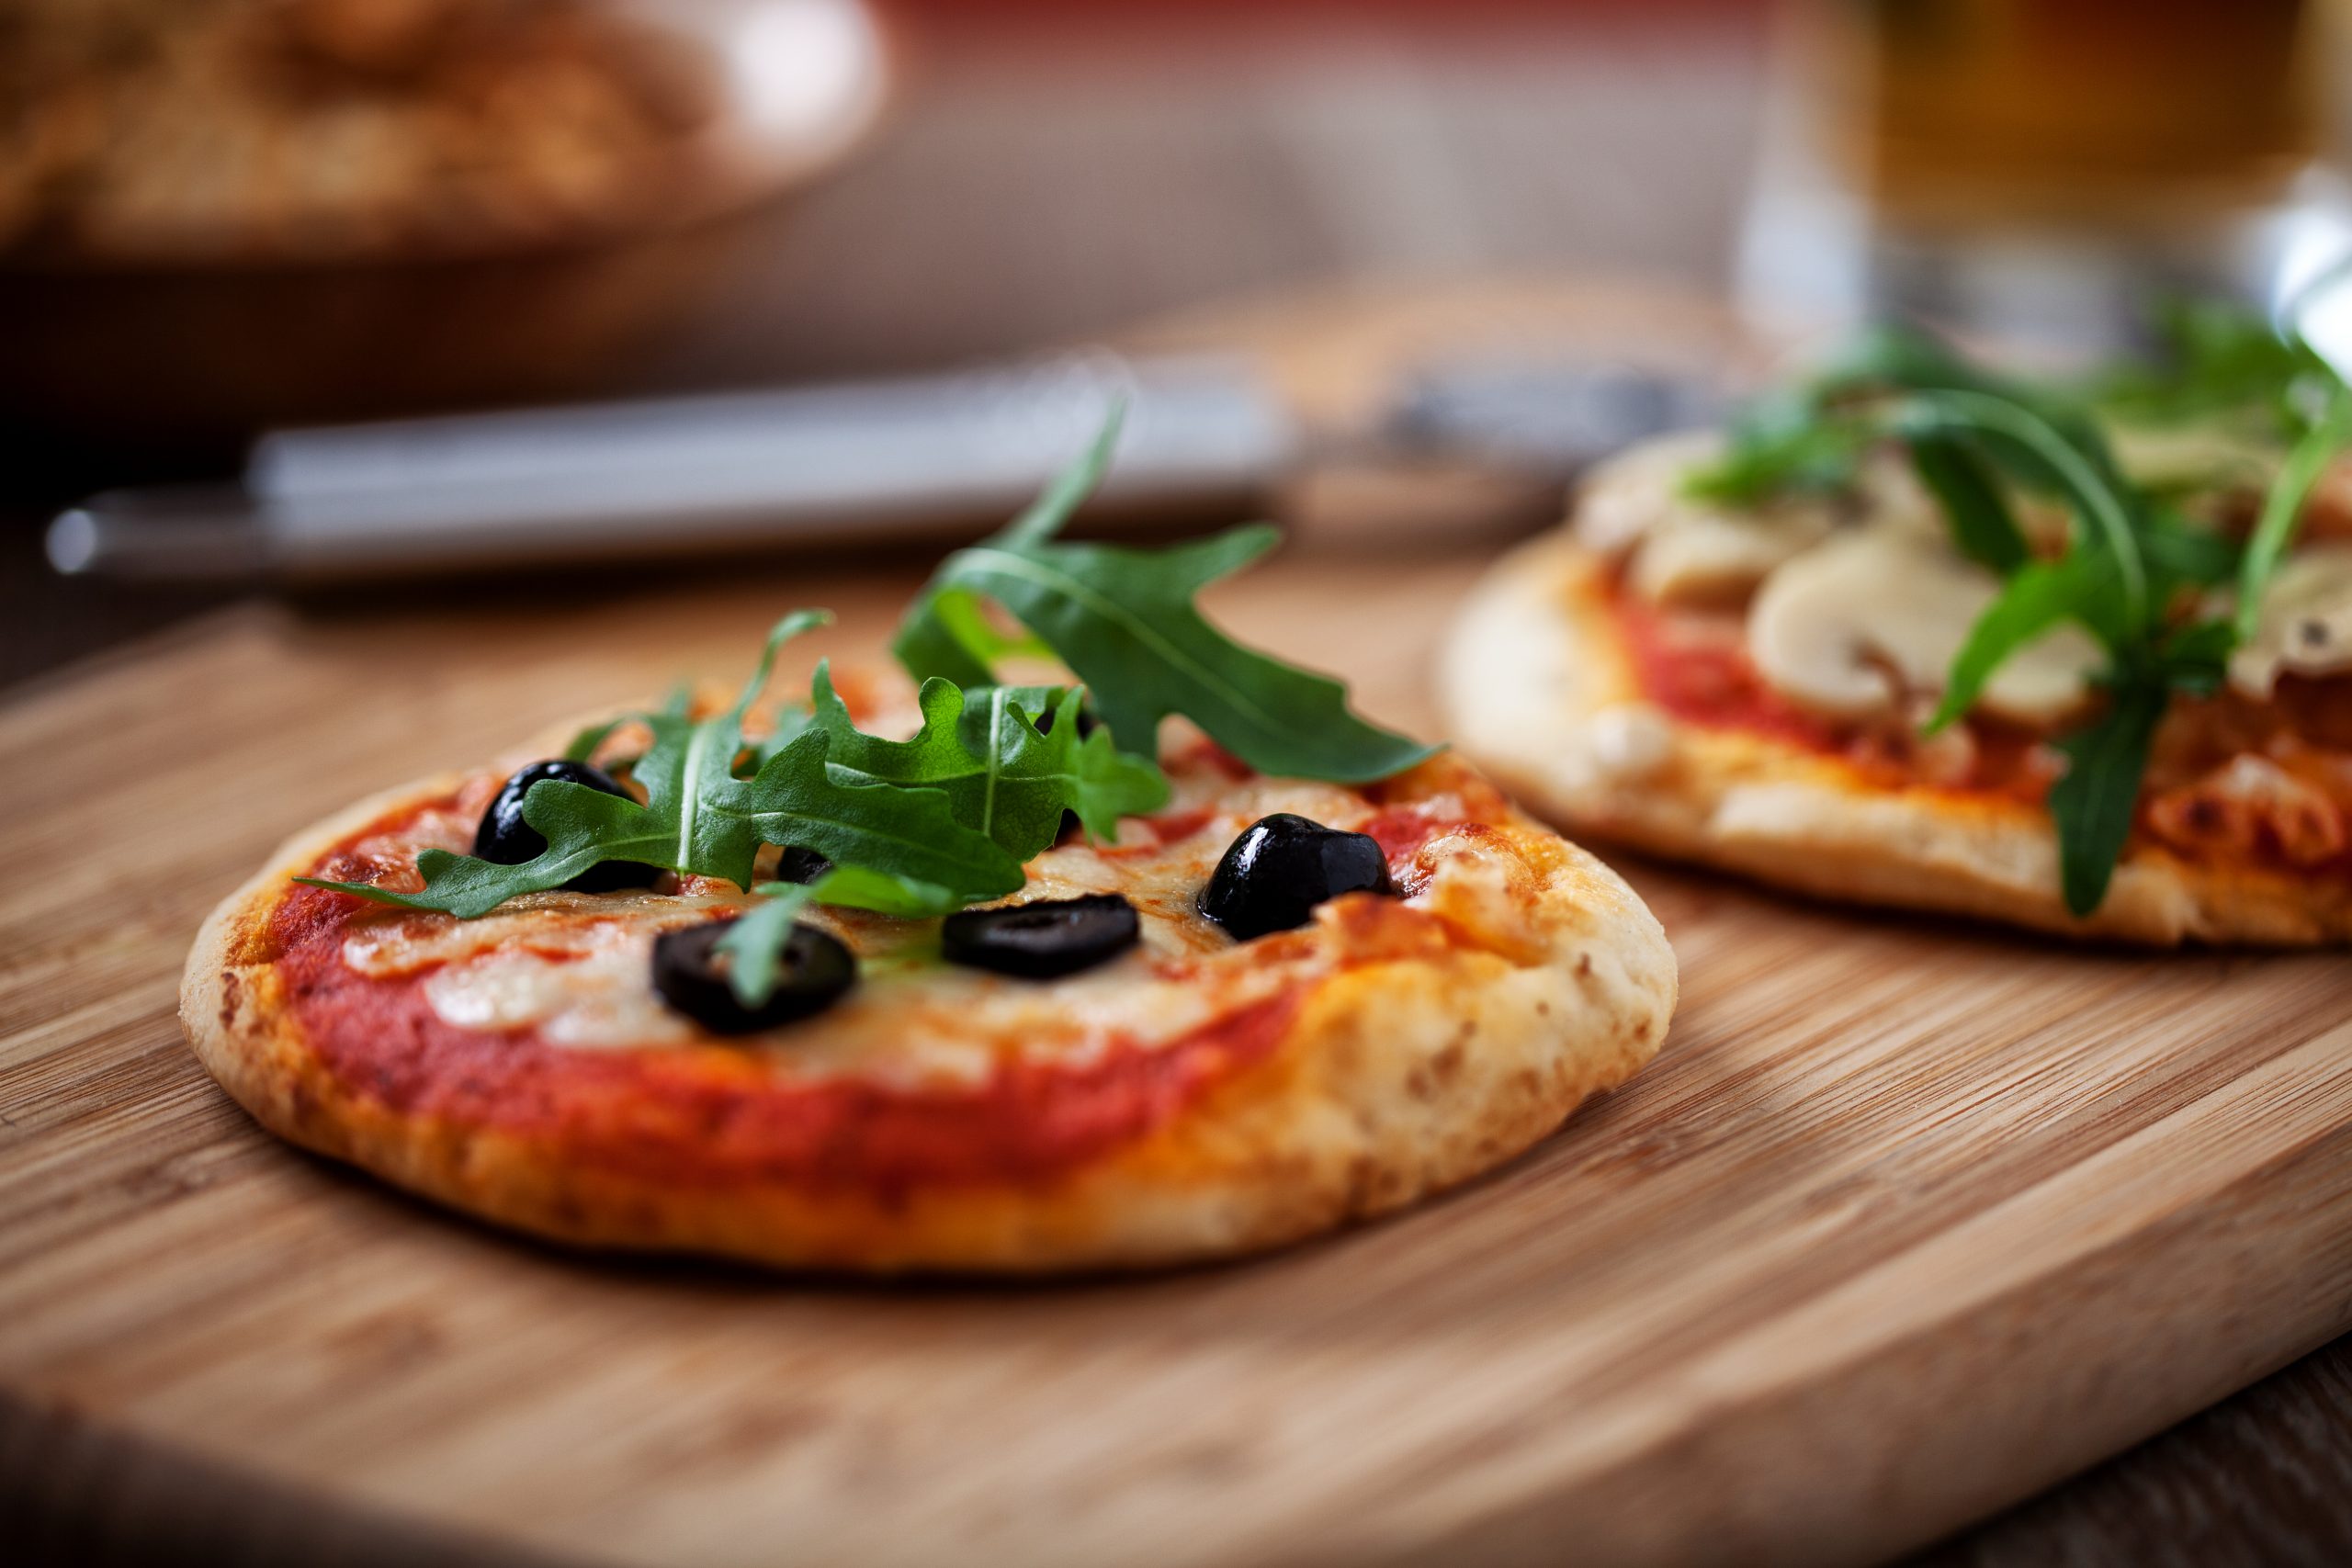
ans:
(1710, 682)
(1706, 677)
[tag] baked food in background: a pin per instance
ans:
(1741, 647)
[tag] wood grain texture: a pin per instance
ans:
(1910, 1219)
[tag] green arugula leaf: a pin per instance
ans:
(699, 817)
(2220, 360)
(1981, 526)
(947, 636)
(1813, 436)
(1783, 444)
(584, 745)
(1102, 783)
(2182, 554)
(798, 800)
(885, 893)
(1067, 491)
(1001, 775)
(2093, 804)
(946, 633)
(1123, 621)
(755, 943)
(2282, 506)
(791, 718)
(2196, 657)
(2078, 588)
(2036, 451)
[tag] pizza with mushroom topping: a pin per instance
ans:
(2076, 657)
(940, 977)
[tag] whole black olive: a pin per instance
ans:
(1280, 867)
(691, 974)
(797, 865)
(1039, 941)
(505, 838)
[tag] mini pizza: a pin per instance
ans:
(1912, 636)
(941, 979)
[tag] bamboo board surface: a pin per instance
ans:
(1910, 1219)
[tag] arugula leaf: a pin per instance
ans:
(1783, 443)
(1123, 622)
(1068, 489)
(2221, 359)
(1001, 774)
(1104, 783)
(2195, 658)
(1813, 437)
(946, 633)
(699, 817)
(1979, 515)
(757, 939)
(755, 942)
(885, 893)
(2093, 804)
(584, 745)
(2033, 449)
(2077, 588)
(2282, 506)
(2182, 554)
(947, 637)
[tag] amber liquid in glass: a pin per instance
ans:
(2076, 112)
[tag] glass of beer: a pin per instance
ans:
(2040, 168)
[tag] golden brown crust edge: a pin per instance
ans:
(1393, 1080)
(1530, 671)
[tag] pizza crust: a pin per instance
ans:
(1540, 693)
(1391, 1079)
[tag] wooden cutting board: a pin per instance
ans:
(1910, 1219)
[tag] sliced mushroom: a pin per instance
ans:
(2306, 623)
(1851, 629)
(1704, 557)
(1627, 495)
(2199, 455)
(1693, 552)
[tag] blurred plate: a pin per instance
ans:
(238, 132)
(171, 343)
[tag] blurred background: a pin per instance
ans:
(221, 217)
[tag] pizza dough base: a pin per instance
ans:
(1393, 1080)
(1539, 693)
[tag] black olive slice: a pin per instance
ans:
(1280, 867)
(691, 974)
(1039, 941)
(505, 838)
